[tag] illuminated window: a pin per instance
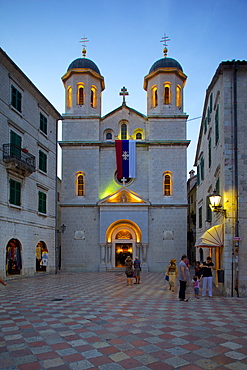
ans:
(138, 136)
(123, 131)
(178, 96)
(167, 93)
(80, 94)
(93, 99)
(80, 185)
(167, 183)
(69, 97)
(154, 96)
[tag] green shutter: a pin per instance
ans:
(200, 217)
(42, 202)
(43, 123)
(217, 135)
(42, 161)
(208, 211)
(15, 147)
(15, 192)
(16, 98)
(209, 152)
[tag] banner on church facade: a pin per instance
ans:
(126, 158)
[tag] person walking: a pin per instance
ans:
(129, 270)
(137, 267)
(207, 278)
(182, 277)
(172, 273)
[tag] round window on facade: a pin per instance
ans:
(124, 181)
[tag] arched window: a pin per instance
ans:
(123, 131)
(167, 184)
(93, 100)
(178, 96)
(69, 97)
(108, 136)
(138, 136)
(154, 96)
(80, 185)
(167, 93)
(80, 94)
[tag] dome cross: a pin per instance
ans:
(123, 93)
(83, 41)
(164, 39)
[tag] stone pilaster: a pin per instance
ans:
(102, 266)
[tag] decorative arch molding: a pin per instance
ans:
(109, 135)
(128, 225)
(80, 183)
(138, 134)
(123, 129)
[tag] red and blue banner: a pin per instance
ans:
(126, 158)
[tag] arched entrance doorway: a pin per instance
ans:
(13, 257)
(41, 254)
(123, 247)
(123, 239)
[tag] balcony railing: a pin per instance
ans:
(19, 158)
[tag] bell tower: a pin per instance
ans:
(83, 85)
(164, 85)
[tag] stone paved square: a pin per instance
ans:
(101, 323)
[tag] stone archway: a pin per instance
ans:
(123, 238)
(13, 257)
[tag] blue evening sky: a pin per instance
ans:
(42, 38)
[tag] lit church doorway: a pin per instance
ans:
(123, 239)
(122, 250)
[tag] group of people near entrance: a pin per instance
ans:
(203, 271)
(182, 272)
(132, 270)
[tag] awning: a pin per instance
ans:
(213, 237)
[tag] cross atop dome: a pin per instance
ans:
(164, 39)
(83, 41)
(123, 93)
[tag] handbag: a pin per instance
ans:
(167, 277)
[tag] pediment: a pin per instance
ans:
(123, 196)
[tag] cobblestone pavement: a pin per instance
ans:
(94, 321)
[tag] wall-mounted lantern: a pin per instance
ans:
(215, 200)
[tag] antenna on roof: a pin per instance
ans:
(164, 39)
(83, 41)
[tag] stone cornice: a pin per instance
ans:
(138, 143)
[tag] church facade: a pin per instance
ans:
(107, 215)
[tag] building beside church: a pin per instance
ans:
(222, 170)
(28, 170)
(108, 216)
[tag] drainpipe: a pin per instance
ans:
(235, 120)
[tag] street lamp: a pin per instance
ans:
(215, 200)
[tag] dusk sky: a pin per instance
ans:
(42, 38)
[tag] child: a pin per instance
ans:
(196, 280)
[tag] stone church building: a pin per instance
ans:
(108, 216)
